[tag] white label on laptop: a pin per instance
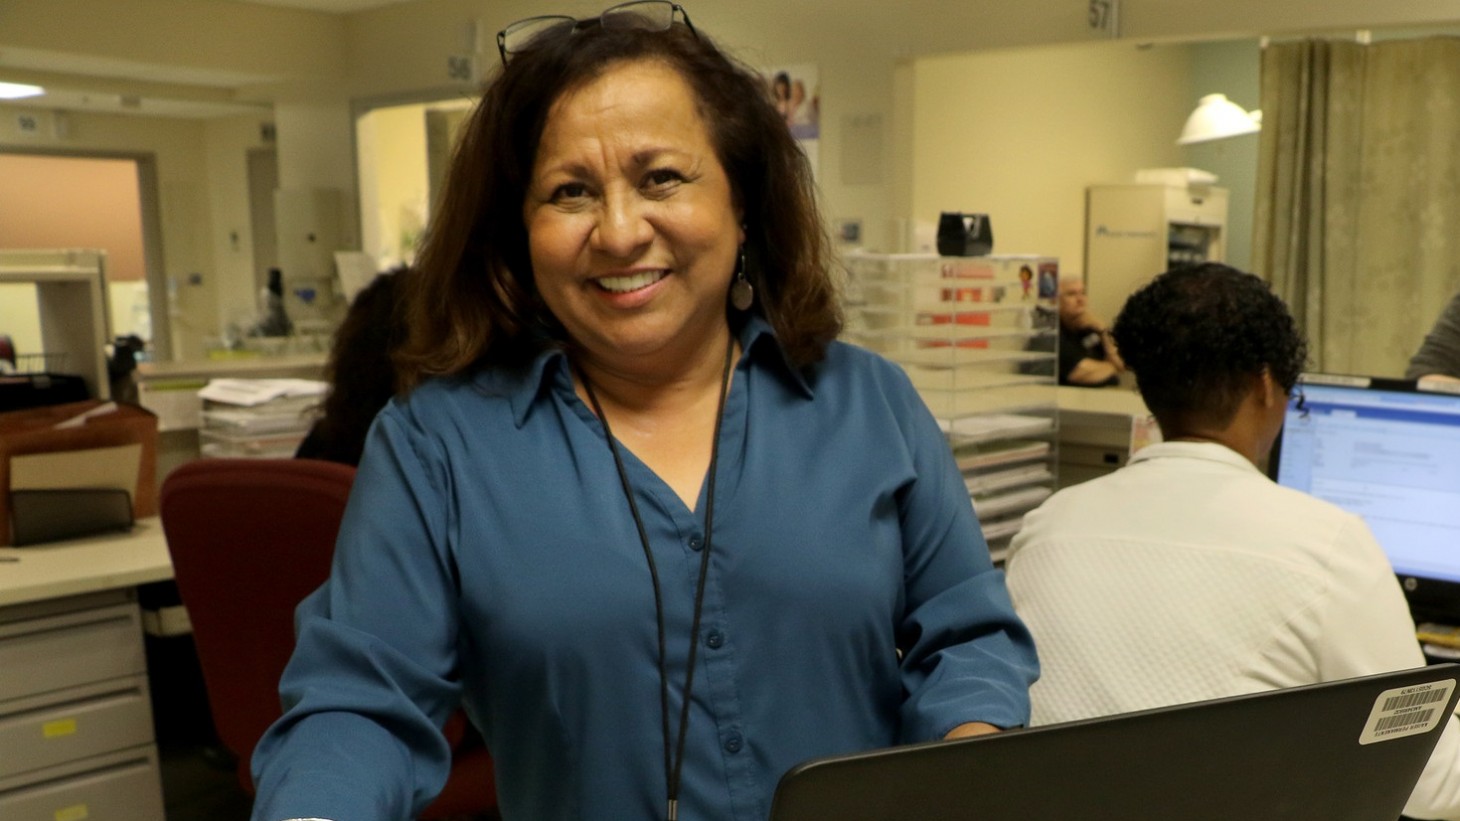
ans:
(1406, 711)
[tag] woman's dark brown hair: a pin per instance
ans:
(473, 301)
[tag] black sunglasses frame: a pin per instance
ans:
(572, 24)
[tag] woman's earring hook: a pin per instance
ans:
(742, 293)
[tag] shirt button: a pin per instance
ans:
(715, 639)
(733, 743)
(696, 543)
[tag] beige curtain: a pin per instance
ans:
(1357, 220)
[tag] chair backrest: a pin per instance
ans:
(249, 539)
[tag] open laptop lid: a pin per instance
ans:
(1348, 750)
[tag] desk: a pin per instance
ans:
(77, 566)
(75, 710)
(1097, 428)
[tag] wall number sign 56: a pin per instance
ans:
(1104, 16)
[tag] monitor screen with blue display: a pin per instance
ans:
(1391, 454)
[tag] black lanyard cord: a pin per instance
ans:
(674, 762)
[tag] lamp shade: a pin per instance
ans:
(1215, 118)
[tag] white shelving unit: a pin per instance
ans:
(71, 300)
(977, 337)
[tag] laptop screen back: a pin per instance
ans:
(1347, 750)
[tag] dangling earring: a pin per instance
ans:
(742, 293)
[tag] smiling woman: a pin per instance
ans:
(639, 512)
(489, 190)
(632, 227)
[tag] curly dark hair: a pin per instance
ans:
(360, 373)
(475, 301)
(1196, 336)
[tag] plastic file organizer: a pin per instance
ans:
(977, 336)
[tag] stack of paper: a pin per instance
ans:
(258, 418)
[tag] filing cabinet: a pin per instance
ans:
(76, 737)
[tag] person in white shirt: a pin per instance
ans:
(1189, 575)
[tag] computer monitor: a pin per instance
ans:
(1389, 452)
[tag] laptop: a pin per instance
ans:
(1347, 750)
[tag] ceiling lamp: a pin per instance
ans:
(1217, 117)
(15, 91)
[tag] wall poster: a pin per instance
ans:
(796, 92)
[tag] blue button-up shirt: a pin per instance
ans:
(488, 557)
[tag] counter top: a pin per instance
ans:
(88, 565)
(306, 366)
(1100, 400)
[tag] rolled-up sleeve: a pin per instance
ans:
(966, 654)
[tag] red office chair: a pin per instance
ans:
(249, 539)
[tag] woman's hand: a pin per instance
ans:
(969, 729)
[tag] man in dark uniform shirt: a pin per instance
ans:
(1087, 354)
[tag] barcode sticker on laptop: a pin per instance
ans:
(1407, 711)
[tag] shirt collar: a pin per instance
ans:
(757, 337)
(1207, 451)
(522, 386)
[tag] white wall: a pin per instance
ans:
(314, 64)
(403, 49)
(392, 144)
(1232, 68)
(858, 47)
(227, 142)
(314, 144)
(1020, 133)
(248, 43)
(178, 147)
